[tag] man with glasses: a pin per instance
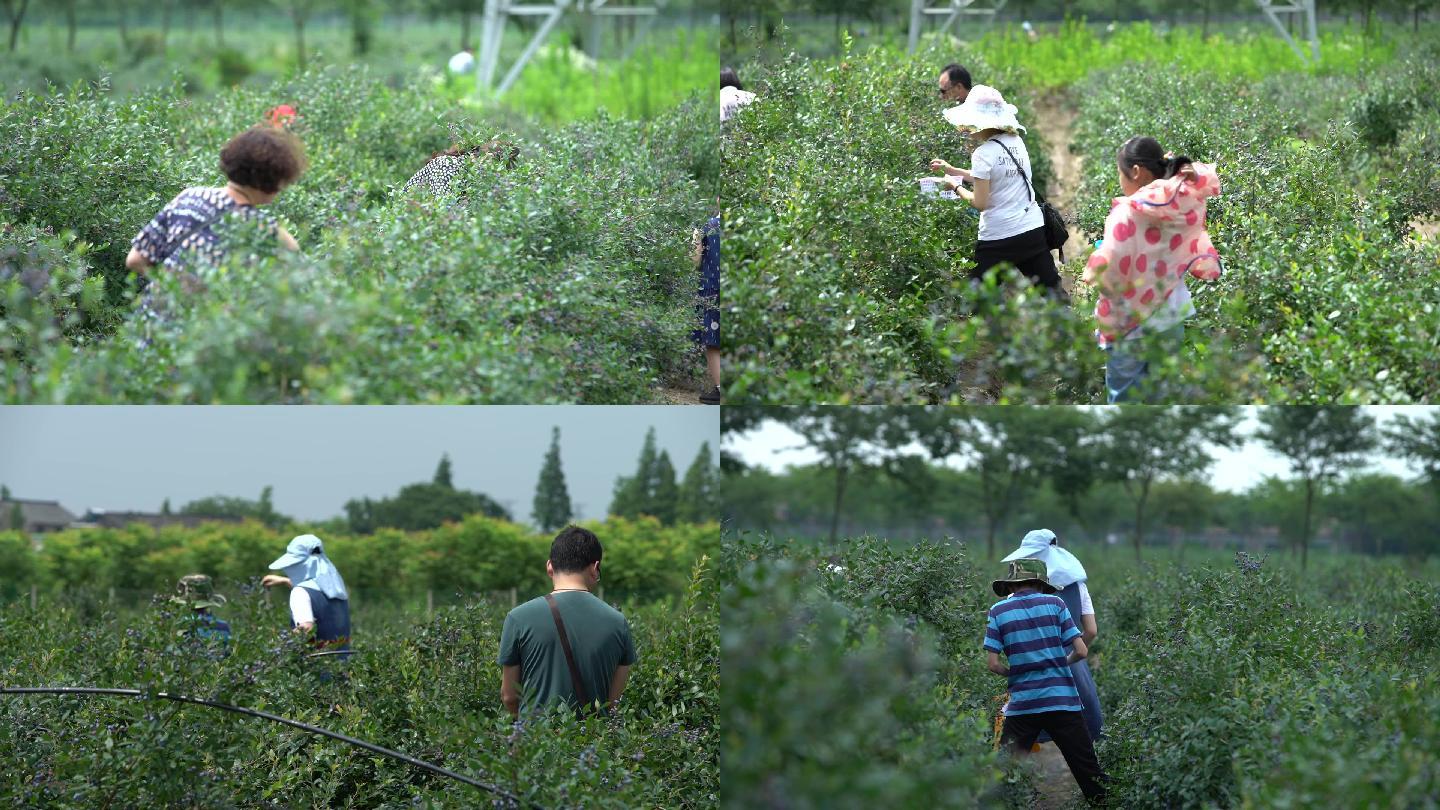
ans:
(954, 83)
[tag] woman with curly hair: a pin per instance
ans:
(258, 164)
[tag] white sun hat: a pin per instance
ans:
(1042, 544)
(984, 108)
(305, 563)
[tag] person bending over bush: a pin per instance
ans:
(258, 164)
(438, 173)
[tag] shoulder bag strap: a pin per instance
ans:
(1028, 185)
(569, 655)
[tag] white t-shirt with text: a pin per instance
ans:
(1011, 210)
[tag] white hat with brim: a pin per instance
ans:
(1062, 566)
(297, 552)
(984, 108)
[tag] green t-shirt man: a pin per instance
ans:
(531, 656)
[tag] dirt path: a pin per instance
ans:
(1425, 229)
(1053, 780)
(671, 394)
(1055, 118)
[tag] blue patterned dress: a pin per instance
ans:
(185, 228)
(707, 305)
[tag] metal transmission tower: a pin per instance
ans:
(951, 10)
(1279, 12)
(1290, 9)
(499, 12)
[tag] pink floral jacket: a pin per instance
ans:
(1152, 239)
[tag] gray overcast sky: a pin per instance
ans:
(774, 446)
(317, 457)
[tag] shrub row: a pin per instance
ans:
(428, 688)
(476, 555)
(565, 279)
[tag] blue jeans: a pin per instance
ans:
(1129, 363)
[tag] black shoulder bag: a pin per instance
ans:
(1055, 233)
(580, 694)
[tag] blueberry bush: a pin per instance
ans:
(846, 285)
(851, 680)
(565, 279)
(854, 677)
(427, 687)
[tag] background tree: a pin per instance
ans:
(71, 8)
(165, 507)
(1320, 442)
(1419, 441)
(551, 509)
(735, 422)
(634, 494)
(224, 506)
(1075, 436)
(1144, 444)
(666, 495)
(426, 505)
(1377, 510)
(299, 12)
(17, 518)
(442, 473)
(698, 500)
(363, 15)
(1011, 450)
(217, 9)
(4, 493)
(15, 15)
(845, 437)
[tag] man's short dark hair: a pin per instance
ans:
(264, 158)
(958, 75)
(728, 78)
(574, 550)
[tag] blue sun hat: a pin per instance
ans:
(1062, 566)
(305, 563)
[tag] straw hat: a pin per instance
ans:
(1024, 572)
(197, 592)
(984, 108)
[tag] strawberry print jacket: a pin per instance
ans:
(1152, 239)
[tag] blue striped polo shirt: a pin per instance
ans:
(1032, 630)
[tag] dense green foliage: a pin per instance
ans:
(852, 681)
(426, 687)
(564, 279)
(476, 555)
(848, 286)
(1313, 224)
(1233, 683)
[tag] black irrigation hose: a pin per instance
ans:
(90, 690)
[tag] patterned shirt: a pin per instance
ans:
(1032, 630)
(438, 175)
(184, 229)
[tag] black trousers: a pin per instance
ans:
(1027, 251)
(1071, 736)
